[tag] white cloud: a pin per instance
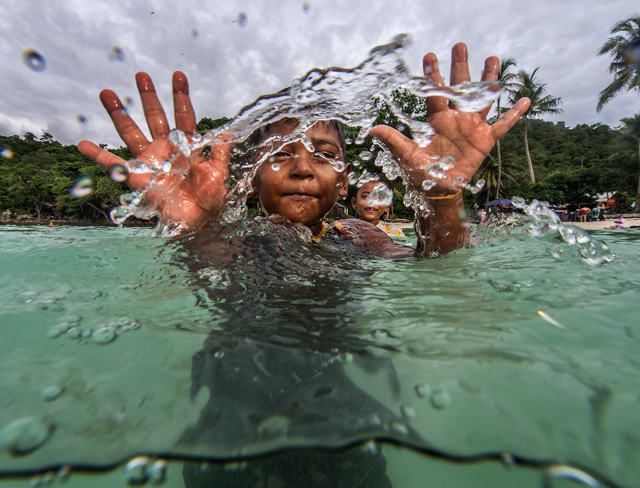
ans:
(229, 66)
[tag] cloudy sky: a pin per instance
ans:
(230, 63)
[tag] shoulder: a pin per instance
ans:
(371, 238)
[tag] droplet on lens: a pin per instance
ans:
(242, 19)
(118, 173)
(305, 7)
(275, 166)
(116, 54)
(128, 101)
(440, 399)
(34, 60)
(422, 390)
(365, 155)
(52, 392)
(353, 178)
(6, 152)
(82, 187)
(81, 118)
(25, 435)
(194, 33)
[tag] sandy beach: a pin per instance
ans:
(606, 224)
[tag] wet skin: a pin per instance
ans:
(306, 186)
(368, 212)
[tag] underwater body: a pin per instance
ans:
(117, 345)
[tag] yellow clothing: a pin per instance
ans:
(390, 229)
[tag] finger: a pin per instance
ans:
(184, 114)
(127, 129)
(460, 64)
(432, 71)
(153, 111)
(399, 145)
(104, 158)
(509, 119)
(490, 73)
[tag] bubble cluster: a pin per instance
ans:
(82, 187)
(34, 60)
(103, 334)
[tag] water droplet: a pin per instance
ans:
(158, 472)
(118, 173)
(6, 152)
(52, 392)
(365, 155)
(440, 399)
(179, 139)
(275, 166)
(422, 390)
(74, 333)
(81, 118)
(136, 470)
(104, 335)
(25, 435)
(428, 184)
(305, 7)
(34, 60)
(353, 178)
(348, 141)
(82, 187)
(116, 54)
(408, 412)
(475, 188)
(194, 33)
(380, 196)
(339, 166)
(128, 101)
(242, 19)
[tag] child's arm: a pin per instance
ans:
(194, 200)
(465, 136)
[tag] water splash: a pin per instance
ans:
(544, 220)
(346, 95)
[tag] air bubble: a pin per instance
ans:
(104, 335)
(440, 399)
(116, 54)
(34, 60)
(242, 19)
(82, 187)
(25, 435)
(52, 392)
(408, 412)
(118, 173)
(136, 470)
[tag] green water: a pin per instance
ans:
(448, 357)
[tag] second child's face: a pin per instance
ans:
(305, 186)
(368, 212)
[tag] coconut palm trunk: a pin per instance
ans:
(637, 207)
(526, 148)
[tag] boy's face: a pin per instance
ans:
(368, 212)
(305, 187)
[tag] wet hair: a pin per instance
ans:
(335, 125)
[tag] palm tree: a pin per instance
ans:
(489, 171)
(632, 128)
(507, 79)
(528, 86)
(625, 65)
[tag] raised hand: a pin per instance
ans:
(192, 200)
(462, 135)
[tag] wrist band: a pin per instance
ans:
(445, 197)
